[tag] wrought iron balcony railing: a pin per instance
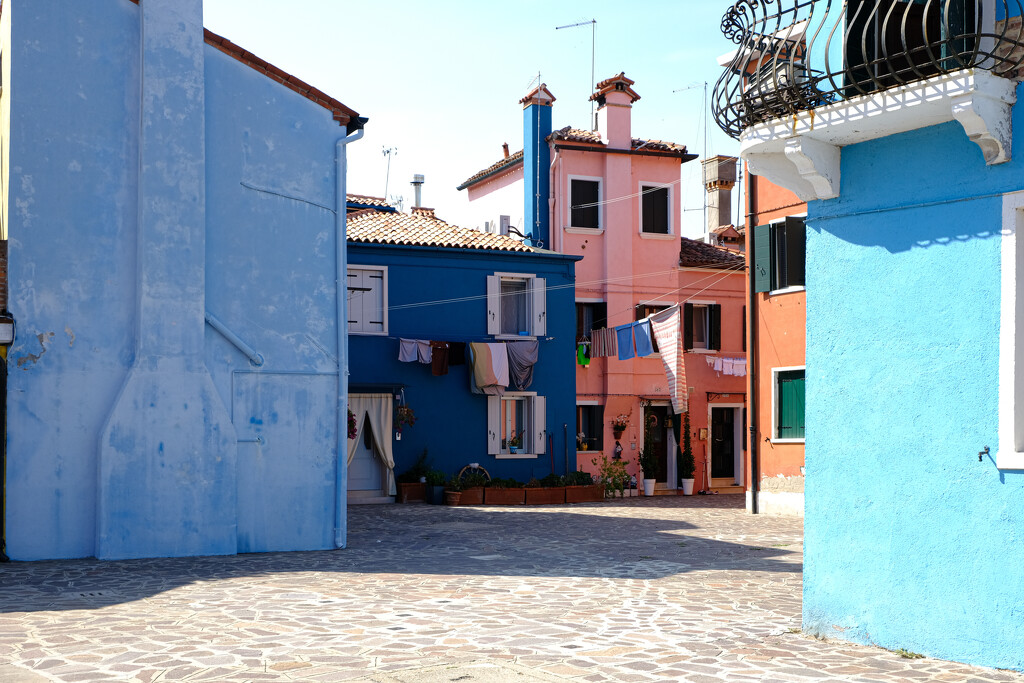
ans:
(796, 55)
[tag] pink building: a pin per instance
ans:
(615, 200)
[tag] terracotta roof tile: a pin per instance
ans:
(658, 145)
(571, 134)
(423, 229)
(362, 201)
(493, 169)
(695, 254)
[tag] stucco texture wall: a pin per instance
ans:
(911, 542)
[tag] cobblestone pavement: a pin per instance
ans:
(661, 589)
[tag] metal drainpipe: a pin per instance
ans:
(755, 475)
(341, 262)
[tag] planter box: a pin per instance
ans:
(504, 496)
(473, 496)
(452, 497)
(584, 494)
(545, 496)
(412, 493)
(435, 495)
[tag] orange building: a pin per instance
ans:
(775, 239)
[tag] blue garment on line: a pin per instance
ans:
(642, 334)
(624, 339)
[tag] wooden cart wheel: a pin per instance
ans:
(469, 468)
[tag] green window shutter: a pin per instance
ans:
(796, 246)
(762, 258)
(791, 404)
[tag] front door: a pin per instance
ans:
(723, 443)
(365, 472)
(656, 417)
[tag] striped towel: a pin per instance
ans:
(665, 325)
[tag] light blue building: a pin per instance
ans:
(172, 208)
(416, 277)
(909, 153)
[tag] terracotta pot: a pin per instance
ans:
(618, 433)
(554, 495)
(412, 493)
(584, 494)
(473, 496)
(452, 497)
(515, 496)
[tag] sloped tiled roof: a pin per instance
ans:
(493, 169)
(695, 254)
(569, 134)
(362, 201)
(423, 229)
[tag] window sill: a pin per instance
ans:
(584, 231)
(788, 290)
(516, 456)
(656, 236)
(368, 334)
(785, 441)
(1010, 461)
(701, 351)
(515, 337)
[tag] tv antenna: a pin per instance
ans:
(593, 53)
(388, 151)
(704, 123)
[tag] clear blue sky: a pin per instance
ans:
(440, 81)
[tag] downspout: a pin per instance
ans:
(551, 206)
(755, 475)
(341, 260)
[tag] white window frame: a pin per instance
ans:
(384, 299)
(536, 288)
(600, 209)
(794, 288)
(537, 426)
(1009, 453)
(775, 401)
(671, 234)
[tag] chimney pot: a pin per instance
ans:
(504, 147)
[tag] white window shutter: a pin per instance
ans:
(540, 428)
(540, 313)
(493, 304)
(355, 301)
(493, 424)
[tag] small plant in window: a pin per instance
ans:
(352, 431)
(515, 441)
(405, 417)
(581, 442)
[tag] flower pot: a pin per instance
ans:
(435, 495)
(584, 494)
(452, 497)
(687, 486)
(473, 496)
(554, 495)
(513, 449)
(618, 433)
(649, 487)
(514, 496)
(412, 493)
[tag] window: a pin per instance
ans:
(655, 209)
(702, 326)
(367, 300)
(516, 305)
(647, 310)
(590, 423)
(516, 414)
(590, 316)
(788, 413)
(779, 255)
(585, 198)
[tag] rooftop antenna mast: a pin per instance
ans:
(388, 151)
(704, 123)
(593, 54)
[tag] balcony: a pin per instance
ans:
(810, 76)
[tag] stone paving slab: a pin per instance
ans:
(643, 589)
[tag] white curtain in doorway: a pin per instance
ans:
(379, 409)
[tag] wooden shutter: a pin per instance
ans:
(687, 327)
(493, 424)
(762, 258)
(743, 339)
(796, 241)
(539, 304)
(355, 301)
(493, 304)
(791, 405)
(540, 429)
(715, 326)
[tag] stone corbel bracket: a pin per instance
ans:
(803, 153)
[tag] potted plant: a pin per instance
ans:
(473, 488)
(648, 459)
(620, 423)
(686, 464)
(435, 487)
(453, 492)
(412, 484)
(548, 491)
(504, 492)
(581, 442)
(613, 474)
(352, 430)
(581, 488)
(514, 442)
(405, 417)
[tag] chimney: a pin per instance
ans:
(536, 162)
(504, 148)
(615, 97)
(417, 188)
(719, 179)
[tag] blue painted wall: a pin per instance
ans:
(124, 408)
(451, 422)
(910, 541)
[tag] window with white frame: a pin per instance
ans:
(367, 299)
(702, 326)
(779, 254)
(788, 404)
(516, 425)
(655, 210)
(585, 200)
(1009, 454)
(516, 305)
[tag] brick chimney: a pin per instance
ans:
(719, 179)
(615, 97)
